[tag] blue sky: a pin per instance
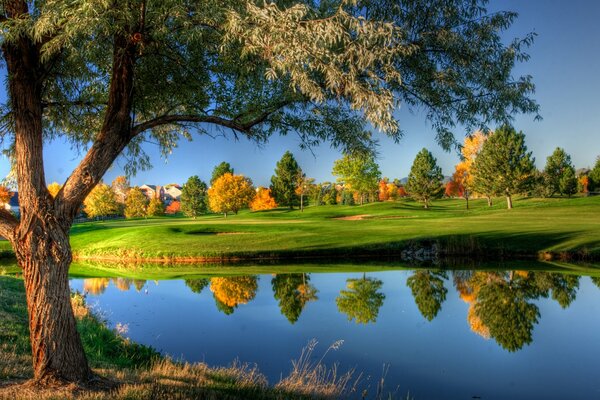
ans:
(565, 65)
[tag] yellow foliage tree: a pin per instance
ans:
(5, 195)
(463, 177)
(95, 286)
(234, 291)
(54, 188)
(101, 201)
(230, 193)
(263, 200)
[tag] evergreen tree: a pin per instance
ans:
(568, 182)
(504, 167)
(284, 182)
(428, 290)
(194, 197)
(219, 171)
(135, 203)
(557, 165)
(425, 178)
(293, 292)
(594, 177)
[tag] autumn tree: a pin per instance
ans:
(54, 188)
(504, 165)
(173, 208)
(103, 76)
(156, 208)
(230, 193)
(5, 195)
(233, 291)
(361, 300)
(136, 203)
(462, 178)
(220, 170)
(285, 180)
(194, 195)
(383, 193)
(558, 164)
(101, 202)
(428, 290)
(425, 178)
(263, 200)
(359, 172)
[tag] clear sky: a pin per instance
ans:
(565, 65)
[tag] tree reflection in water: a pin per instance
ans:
(362, 299)
(293, 291)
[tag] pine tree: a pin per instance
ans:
(568, 182)
(194, 197)
(557, 165)
(594, 177)
(425, 178)
(283, 183)
(504, 167)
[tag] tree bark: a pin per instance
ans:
(509, 202)
(44, 254)
(489, 199)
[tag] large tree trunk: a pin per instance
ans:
(44, 254)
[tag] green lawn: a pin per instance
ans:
(533, 226)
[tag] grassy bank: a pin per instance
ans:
(555, 227)
(138, 371)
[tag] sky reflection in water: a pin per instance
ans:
(444, 334)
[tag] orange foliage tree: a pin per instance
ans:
(173, 208)
(402, 192)
(584, 183)
(230, 193)
(462, 179)
(5, 195)
(54, 188)
(384, 194)
(234, 291)
(263, 200)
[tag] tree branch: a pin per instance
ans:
(8, 224)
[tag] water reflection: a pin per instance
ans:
(362, 299)
(501, 304)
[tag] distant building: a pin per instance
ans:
(172, 192)
(153, 192)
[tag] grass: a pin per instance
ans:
(139, 371)
(534, 226)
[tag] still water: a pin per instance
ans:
(438, 334)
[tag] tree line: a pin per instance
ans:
(493, 164)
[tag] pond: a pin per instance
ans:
(433, 334)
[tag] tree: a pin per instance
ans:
(194, 197)
(263, 200)
(219, 171)
(103, 76)
(54, 188)
(359, 172)
(304, 186)
(428, 290)
(504, 166)
(173, 208)
(101, 202)
(233, 291)
(362, 300)
(293, 292)
(5, 195)
(135, 203)
(557, 165)
(594, 177)
(425, 178)
(285, 180)
(463, 171)
(568, 182)
(230, 193)
(156, 208)
(384, 193)
(197, 285)
(120, 185)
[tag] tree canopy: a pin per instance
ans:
(194, 197)
(285, 180)
(358, 172)
(425, 178)
(220, 170)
